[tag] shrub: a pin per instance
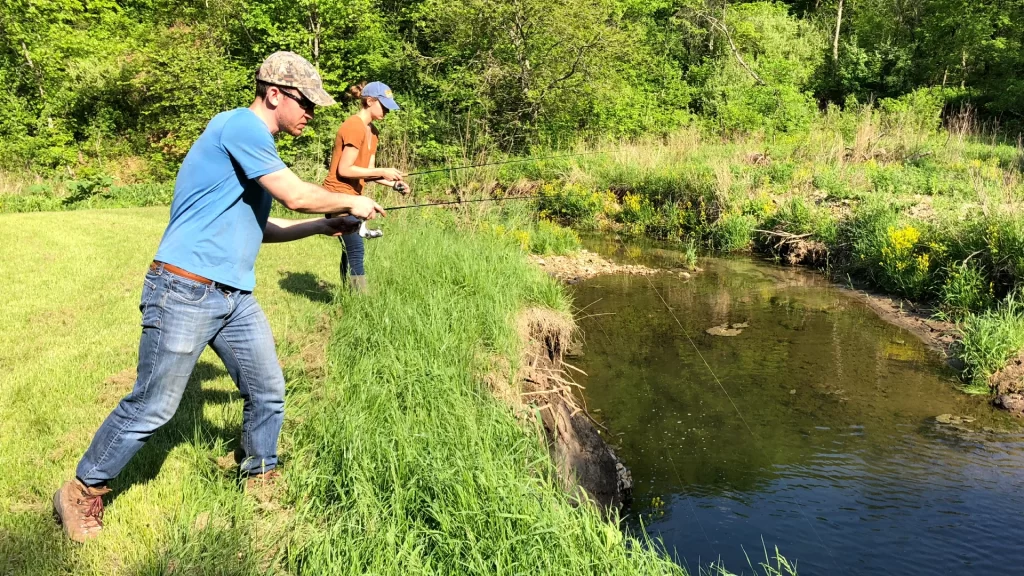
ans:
(796, 216)
(919, 111)
(832, 182)
(965, 290)
(550, 238)
(890, 253)
(733, 232)
(904, 265)
(637, 213)
(573, 204)
(990, 339)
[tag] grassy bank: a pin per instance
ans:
(397, 459)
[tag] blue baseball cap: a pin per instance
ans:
(382, 92)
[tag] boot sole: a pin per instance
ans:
(56, 508)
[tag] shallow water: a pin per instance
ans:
(821, 437)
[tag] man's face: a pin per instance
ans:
(294, 111)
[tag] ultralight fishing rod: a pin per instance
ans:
(500, 163)
(463, 202)
(517, 161)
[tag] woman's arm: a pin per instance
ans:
(348, 169)
(404, 188)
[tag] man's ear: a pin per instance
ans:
(273, 98)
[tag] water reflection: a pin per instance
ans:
(837, 457)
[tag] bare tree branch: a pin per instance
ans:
(839, 23)
(721, 27)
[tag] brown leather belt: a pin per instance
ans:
(156, 265)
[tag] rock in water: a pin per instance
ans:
(724, 330)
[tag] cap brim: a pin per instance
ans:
(318, 96)
(388, 103)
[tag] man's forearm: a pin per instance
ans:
(282, 230)
(313, 199)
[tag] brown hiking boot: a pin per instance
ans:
(80, 509)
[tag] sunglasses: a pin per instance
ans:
(303, 103)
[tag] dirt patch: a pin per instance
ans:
(582, 457)
(1010, 378)
(117, 386)
(1013, 403)
(586, 264)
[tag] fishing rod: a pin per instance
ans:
(463, 202)
(503, 162)
(500, 163)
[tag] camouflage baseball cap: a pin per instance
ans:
(290, 69)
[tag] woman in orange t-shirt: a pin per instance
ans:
(353, 163)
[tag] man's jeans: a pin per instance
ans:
(179, 318)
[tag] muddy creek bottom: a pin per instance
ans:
(825, 441)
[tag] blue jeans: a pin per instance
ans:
(352, 256)
(179, 318)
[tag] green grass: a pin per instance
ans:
(397, 458)
(990, 339)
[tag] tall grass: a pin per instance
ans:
(407, 464)
(990, 339)
(397, 458)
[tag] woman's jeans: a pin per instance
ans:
(352, 256)
(180, 317)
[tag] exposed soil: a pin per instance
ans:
(585, 264)
(582, 457)
(1013, 403)
(1008, 383)
(795, 249)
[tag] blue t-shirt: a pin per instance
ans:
(219, 211)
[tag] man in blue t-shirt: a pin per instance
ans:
(198, 290)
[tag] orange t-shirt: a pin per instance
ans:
(364, 138)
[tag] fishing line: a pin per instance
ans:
(503, 162)
(727, 395)
(679, 479)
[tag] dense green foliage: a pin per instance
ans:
(122, 88)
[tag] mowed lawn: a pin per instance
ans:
(69, 327)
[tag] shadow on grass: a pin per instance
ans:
(308, 285)
(186, 425)
(31, 542)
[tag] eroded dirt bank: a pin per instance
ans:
(544, 381)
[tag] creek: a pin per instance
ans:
(835, 436)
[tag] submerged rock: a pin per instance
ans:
(727, 329)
